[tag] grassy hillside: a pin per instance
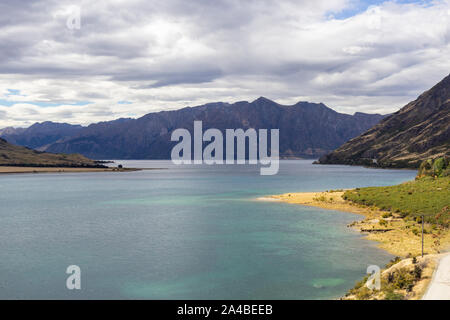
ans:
(11, 155)
(426, 196)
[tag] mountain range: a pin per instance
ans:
(40, 135)
(418, 131)
(306, 130)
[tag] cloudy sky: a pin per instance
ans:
(125, 58)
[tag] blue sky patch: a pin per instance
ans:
(358, 7)
(13, 92)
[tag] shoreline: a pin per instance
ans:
(22, 170)
(391, 235)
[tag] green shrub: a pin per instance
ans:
(437, 167)
(392, 262)
(417, 272)
(403, 279)
(425, 167)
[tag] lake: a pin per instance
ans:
(183, 232)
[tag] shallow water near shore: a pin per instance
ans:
(186, 232)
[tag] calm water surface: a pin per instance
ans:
(189, 232)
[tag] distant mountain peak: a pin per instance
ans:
(45, 123)
(40, 134)
(263, 100)
(51, 123)
(11, 130)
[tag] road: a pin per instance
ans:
(439, 288)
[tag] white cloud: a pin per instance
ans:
(163, 55)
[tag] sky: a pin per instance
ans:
(88, 61)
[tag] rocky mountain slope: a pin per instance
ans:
(418, 131)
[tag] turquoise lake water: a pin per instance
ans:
(185, 232)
